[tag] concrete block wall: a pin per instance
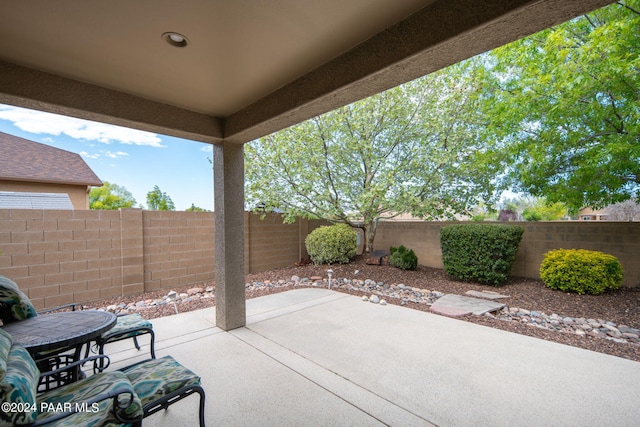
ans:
(178, 248)
(59, 257)
(422, 237)
(620, 239)
(271, 243)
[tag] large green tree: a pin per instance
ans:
(569, 108)
(159, 201)
(110, 196)
(412, 149)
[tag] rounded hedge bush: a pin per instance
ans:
(581, 271)
(480, 252)
(332, 244)
(403, 258)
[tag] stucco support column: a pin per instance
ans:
(228, 177)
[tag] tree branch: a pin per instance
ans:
(628, 7)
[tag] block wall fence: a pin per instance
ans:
(621, 239)
(59, 257)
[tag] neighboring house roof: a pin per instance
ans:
(14, 200)
(25, 160)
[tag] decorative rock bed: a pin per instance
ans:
(381, 293)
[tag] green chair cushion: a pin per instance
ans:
(86, 390)
(16, 302)
(19, 388)
(155, 378)
(125, 323)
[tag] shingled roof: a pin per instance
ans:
(25, 160)
(49, 201)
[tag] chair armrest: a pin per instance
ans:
(72, 305)
(77, 363)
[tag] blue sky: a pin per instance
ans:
(131, 158)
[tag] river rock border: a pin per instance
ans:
(379, 292)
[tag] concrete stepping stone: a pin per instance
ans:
(486, 294)
(458, 305)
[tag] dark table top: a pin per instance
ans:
(58, 330)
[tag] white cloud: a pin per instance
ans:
(89, 156)
(39, 122)
(115, 155)
(208, 148)
(111, 155)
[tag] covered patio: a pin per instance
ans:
(319, 357)
(226, 73)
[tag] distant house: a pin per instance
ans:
(30, 167)
(589, 214)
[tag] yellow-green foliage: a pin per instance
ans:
(581, 271)
(332, 244)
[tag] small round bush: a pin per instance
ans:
(403, 258)
(581, 271)
(332, 244)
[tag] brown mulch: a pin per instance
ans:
(621, 307)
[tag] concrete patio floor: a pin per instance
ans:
(315, 357)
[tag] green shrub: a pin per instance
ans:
(531, 215)
(481, 252)
(403, 258)
(581, 271)
(331, 244)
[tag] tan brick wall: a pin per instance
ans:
(58, 257)
(621, 239)
(272, 243)
(178, 249)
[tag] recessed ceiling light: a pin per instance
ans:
(175, 39)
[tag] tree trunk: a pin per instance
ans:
(370, 235)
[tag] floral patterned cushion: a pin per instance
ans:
(86, 390)
(125, 323)
(18, 388)
(5, 346)
(16, 303)
(155, 378)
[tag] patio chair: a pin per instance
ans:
(103, 399)
(161, 382)
(128, 326)
(16, 306)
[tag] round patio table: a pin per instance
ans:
(55, 340)
(65, 329)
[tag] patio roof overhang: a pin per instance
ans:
(248, 69)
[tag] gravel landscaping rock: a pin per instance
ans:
(608, 323)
